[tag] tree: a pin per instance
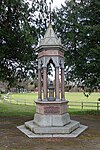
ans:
(15, 39)
(39, 18)
(20, 30)
(78, 25)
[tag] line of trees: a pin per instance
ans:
(23, 24)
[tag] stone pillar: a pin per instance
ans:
(57, 84)
(45, 90)
(39, 85)
(62, 84)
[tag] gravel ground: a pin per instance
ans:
(12, 139)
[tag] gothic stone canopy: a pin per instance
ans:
(50, 47)
(49, 51)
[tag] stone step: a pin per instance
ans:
(52, 130)
(73, 134)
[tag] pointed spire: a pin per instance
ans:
(50, 12)
(50, 37)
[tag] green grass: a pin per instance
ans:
(74, 98)
(22, 98)
(77, 100)
(74, 111)
(28, 96)
(79, 97)
(7, 109)
(71, 96)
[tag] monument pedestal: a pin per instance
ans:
(50, 120)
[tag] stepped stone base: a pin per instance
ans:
(52, 130)
(73, 134)
(52, 120)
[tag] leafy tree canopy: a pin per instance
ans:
(21, 25)
(78, 24)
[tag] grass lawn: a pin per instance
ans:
(79, 97)
(28, 96)
(23, 98)
(7, 109)
(71, 96)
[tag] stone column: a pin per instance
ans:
(45, 83)
(39, 85)
(57, 84)
(62, 84)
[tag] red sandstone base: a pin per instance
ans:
(51, 108)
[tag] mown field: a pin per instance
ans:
(26, 103)
(79, 97)
(76, 99)
(70, 96)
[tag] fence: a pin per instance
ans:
(18, 101)
(85, 105)
(74, 104)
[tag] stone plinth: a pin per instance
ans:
(51, 113)
(51, 108)
(52, 120)
(51, 117)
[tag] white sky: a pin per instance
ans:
(56, 3)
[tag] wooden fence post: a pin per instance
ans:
(82, 105)
(17, 101)
(25, 101)
(97, 106)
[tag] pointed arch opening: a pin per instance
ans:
(51, 79)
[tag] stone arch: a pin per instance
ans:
(50, 60)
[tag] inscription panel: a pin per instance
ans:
(51, 110)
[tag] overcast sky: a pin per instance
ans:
(56, 3)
